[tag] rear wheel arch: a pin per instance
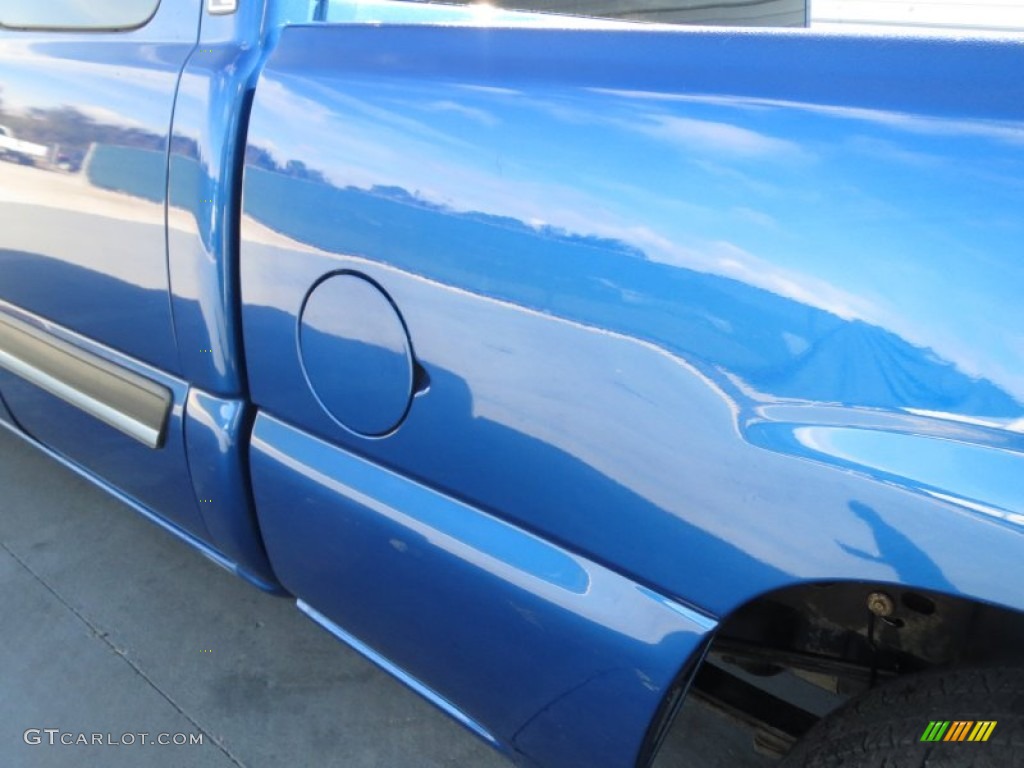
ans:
(850, 638)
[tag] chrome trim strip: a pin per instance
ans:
(116, 396)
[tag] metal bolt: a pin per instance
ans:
(881, 604)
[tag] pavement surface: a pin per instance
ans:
(109, 625)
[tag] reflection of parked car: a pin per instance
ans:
(17, 150)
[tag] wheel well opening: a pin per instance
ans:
(893, 628)
(784, 660)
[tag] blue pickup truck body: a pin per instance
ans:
(523, 353)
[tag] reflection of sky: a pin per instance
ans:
(507, 212)
(42, 82)
(866, 213)
(675, 444)
(988, 475)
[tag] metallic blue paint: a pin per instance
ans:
(703, 314)
(117, 493)
(194, 486)
(385, 664)
(157, 479)
(558, 658)
(83, 239)
(356, 354)
(84, 244)
(203, 187)
(216, 432)
(695, 304)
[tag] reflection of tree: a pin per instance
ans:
(68, 127)
(775, 344)
(183, 146)
(297, 169)
(72, 132)
(259, 157)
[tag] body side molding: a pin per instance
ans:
(118, 397)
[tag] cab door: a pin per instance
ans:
(88, 359)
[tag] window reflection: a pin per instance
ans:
(75, 14)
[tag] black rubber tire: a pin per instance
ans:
(882, 728)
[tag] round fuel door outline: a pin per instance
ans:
(356, 353)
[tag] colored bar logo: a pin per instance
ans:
(959, 730)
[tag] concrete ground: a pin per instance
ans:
(109, 625)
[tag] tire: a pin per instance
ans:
(883, 727)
